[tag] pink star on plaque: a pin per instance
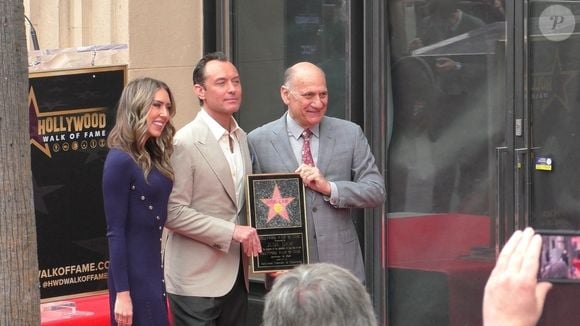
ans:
(277, 205)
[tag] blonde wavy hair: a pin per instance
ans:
(130, 131)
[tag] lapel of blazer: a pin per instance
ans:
(245, 152)
(326, 145)
(281, 144)
(213, 155)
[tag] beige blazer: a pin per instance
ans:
(201, 259)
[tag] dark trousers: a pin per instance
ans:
(229, 310)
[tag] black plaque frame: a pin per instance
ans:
(277, 209)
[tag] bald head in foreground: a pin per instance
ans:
(318, 294)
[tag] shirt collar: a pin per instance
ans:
(295, 129)
(215, 128)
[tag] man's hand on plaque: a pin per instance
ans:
(276, 273)
(313, 179)
(248, 237)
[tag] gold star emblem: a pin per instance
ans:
(277, 205)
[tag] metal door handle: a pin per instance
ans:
(497, 227)
(521, 167)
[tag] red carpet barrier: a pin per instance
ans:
(90, 310)
(438, 270)
(435, 275)
(434, 237)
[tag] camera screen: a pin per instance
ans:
(560, 258)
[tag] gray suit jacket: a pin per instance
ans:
(345, 158)
(201, 259)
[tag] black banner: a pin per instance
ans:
(71, 114)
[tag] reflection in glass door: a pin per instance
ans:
(484, 140)
(450, 126)
(554, 128)
(554, 79)
(271, 35)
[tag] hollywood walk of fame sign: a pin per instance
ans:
(71, 114)
(276, 208)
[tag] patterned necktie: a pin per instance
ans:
(306, 154)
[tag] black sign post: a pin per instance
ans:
(71, 114)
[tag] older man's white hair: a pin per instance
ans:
(319, 294)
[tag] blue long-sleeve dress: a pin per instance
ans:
(136, 211)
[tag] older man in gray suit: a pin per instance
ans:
(336, 165)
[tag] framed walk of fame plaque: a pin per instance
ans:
(277, 209)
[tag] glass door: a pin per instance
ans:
(449, 155)
(553, 106)
(484, 140)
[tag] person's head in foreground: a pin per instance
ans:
(513, 295)
(318, 294)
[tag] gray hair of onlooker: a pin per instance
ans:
(318, 294)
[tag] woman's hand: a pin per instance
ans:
(124, 309)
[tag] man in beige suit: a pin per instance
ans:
(207, 249)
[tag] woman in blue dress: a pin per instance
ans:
(137, 181)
